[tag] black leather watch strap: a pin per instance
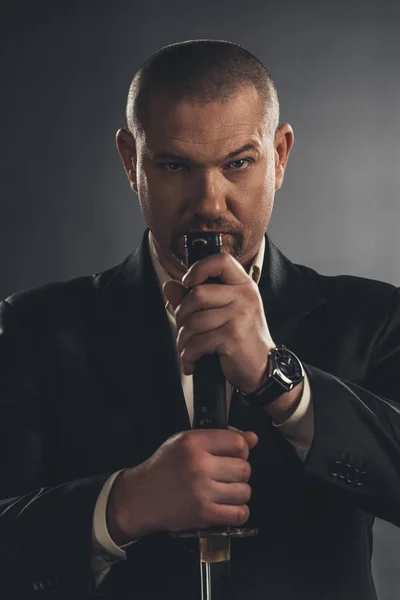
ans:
(278, 381)
(270, 391)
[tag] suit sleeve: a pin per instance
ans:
(45, 529)
(356, 445)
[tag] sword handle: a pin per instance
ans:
(209, 391)
(210, 412)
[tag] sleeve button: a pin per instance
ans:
(335, 468)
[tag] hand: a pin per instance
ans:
(196, 479)
(227, 319)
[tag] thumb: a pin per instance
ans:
(174, 292)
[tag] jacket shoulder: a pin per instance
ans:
(60, 297)
(359, 302)
(349, 288)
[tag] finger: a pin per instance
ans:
(250, 437)
(200, 344)
(203, 297)
(199, 323)
(228, 514)
(174, 292)
(223, 266)
(231, 493)
(229, 469)
(220, 442)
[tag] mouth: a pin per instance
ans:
(226, 238)
(200, 231)
(230, 243)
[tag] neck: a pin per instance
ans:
(175, 271)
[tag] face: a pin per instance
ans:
(206, 167)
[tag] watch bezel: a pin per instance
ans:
(278, 374)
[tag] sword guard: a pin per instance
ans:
(216, 532)
(215, 543)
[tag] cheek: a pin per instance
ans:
(268, 184)
(269, 174)
(261, 190)
(155, 203)
(255, 213)
(266, 200)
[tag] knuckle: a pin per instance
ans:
(196, 471)
(247, 493)
(246, 471)
(243, 513)
(225, 258)
(197, 294)
(184, 438)
(174, 440)
(240, 444)
(243, 313)
(199, 467)
(235, 332)
(252, 289)
(187, 443)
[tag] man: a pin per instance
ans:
(99, 460)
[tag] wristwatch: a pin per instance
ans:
(285, 372)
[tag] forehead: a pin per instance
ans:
(204, 127)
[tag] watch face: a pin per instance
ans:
(289, 364)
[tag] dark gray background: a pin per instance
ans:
(65, 205)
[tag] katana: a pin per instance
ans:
(210, 412)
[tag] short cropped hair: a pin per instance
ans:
(203, 71)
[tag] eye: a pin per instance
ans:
(173, 167)
(240, 165)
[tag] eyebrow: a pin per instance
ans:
(164, 154)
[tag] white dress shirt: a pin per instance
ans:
(298, 430)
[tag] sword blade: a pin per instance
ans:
(215, 554)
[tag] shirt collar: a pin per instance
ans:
(163, 275)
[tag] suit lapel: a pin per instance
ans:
(132, 342)
(294, 304)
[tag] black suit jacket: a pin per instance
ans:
(89, 384)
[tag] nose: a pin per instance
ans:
(209, 196)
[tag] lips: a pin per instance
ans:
(200, 231)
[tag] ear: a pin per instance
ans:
(127, 151)
(284, 138)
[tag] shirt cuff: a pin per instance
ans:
(299, 428)
(100, 536)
